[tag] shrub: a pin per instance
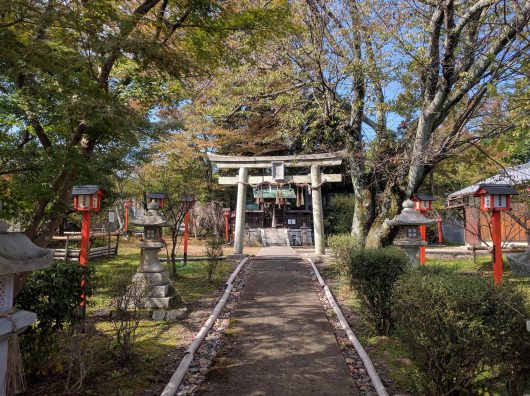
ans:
(55, 295)
(373, 274)
(214, 252)
(342, 246)
(462, 332)
(128, 300)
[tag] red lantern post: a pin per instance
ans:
(226, 213)
(127, 205)
(439, 224)
(186, 230)
(495, 198)
(423, 204)
(87, 199)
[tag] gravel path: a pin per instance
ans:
(279, 341)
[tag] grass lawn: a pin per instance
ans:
(388, 353)
(191, 279)
(108, 374)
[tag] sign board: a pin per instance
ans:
(112, 217)
(278, 170)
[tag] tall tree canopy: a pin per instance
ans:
(81, 83)
(401, 85)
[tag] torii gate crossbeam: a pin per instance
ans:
(316, 178)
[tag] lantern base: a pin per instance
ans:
(412, 251)
(151, 278)
(159, 291)
(162, 302)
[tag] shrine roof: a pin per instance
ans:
(85, 190)
(513, 176)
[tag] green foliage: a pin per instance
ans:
(55, 295)
(339, 214)
(373, 275)
(85, 86)
(342, 245)
(463, 332)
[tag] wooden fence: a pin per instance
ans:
(69, 253)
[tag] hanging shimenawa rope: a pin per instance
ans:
(15, 381)
(297, 196)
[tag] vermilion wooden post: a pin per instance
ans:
(496, 237)
(126, 217)
(85, 238)
(440, 235)
(83, 252)
(186, 223)
(423, 234)
(227, 225)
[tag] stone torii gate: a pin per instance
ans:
(277, 164)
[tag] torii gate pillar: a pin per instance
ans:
(240, 210)
(318, 215)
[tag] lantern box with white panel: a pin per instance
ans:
(87, 198)
(423, 202)
(495, 197)
(157, 197)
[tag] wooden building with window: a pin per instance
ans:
(477, 224)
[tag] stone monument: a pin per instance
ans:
(151, 273)
(520, 263)
(409, 237)
(18, 255)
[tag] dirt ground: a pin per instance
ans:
(197, 248)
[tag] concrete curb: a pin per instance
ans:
(177, 377)
(370, 369)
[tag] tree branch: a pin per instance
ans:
(125, 30)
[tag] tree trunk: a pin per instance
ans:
(364, 209)
(372, 208)
(42, 230)
(380, 234)
(419, 162)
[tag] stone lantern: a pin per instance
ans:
(18, 257)
(151, 273)
(409, 236)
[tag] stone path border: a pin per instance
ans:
(174, 383)
(366, 361)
